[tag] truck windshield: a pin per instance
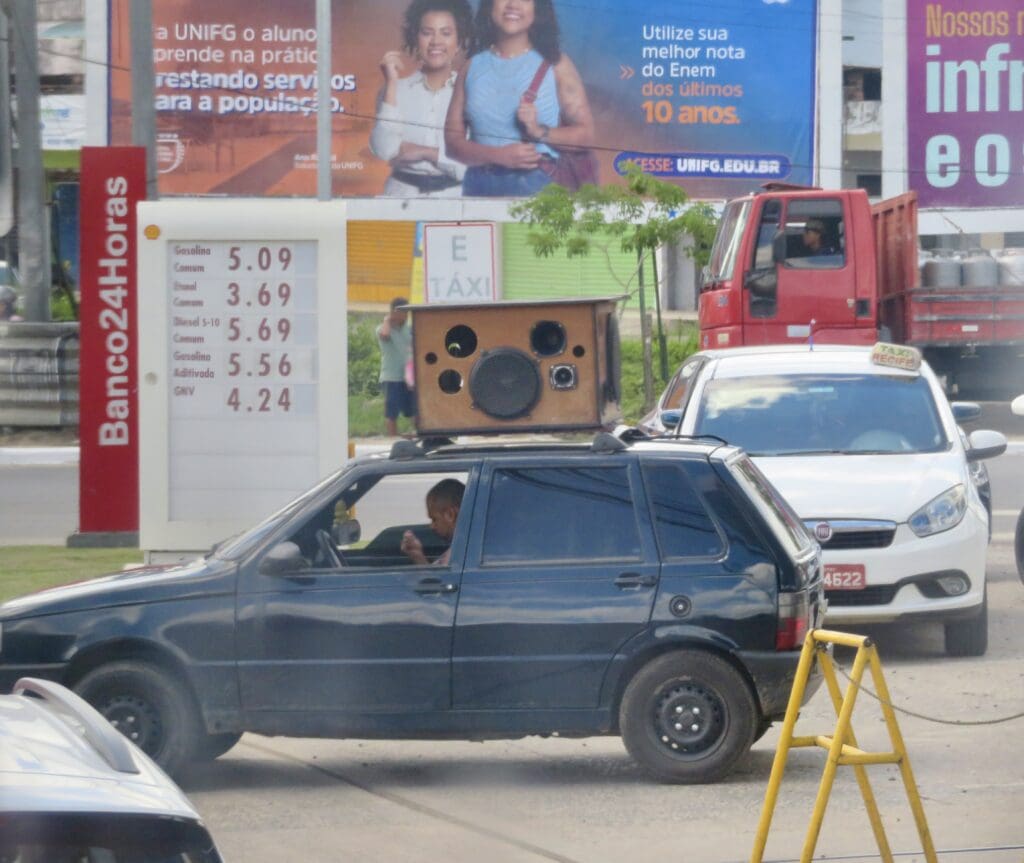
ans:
(727, 241)
(807, 414)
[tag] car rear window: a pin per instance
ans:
(543, 514)
(777, 512)
(681, 521)
(823, 413)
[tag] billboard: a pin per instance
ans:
(719, 97)
(965, 109)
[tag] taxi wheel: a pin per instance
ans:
(969, 637)
(688, 717)
(148, 706)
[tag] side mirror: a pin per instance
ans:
(985, 444)
(670, 419)
(963, 411)
(283, 558)
(762, 283)
(346, 533)
(1017, 406)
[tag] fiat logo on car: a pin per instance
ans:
(823, 531)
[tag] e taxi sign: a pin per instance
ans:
(896, 356)
(243, 361)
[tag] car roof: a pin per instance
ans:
(603, 443)
(54, 757)
(797, 359)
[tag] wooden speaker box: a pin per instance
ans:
(516, 366)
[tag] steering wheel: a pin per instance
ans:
(329, 550)
(880, 439)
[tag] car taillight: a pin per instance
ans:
(794, 620)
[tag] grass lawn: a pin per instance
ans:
(27, 568)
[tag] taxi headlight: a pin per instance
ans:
(941, 513)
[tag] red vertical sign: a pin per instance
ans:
(113, 181)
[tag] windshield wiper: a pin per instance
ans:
(813, 452)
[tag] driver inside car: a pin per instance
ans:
(443, 503)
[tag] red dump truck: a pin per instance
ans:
(792, 262)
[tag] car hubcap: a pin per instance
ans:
(136, 719)
(689, 719)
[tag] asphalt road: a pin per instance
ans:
(584, 801)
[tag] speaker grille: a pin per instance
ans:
(505, 383)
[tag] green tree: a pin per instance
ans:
(641, 216)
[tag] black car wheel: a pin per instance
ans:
(212, 746)
(968, 637)
(147, 706)
(1019, 545)
(688, 717)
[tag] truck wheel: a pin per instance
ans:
(688, 717)
(213, 746)
(968, 637)
(147, 706)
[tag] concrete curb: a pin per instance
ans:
(27, 456)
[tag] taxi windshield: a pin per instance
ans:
(809, 414)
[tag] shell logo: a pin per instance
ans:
(151, 232)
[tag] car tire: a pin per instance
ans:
(708, 690)
(212, 746)
(148, 706)
(1019, 545)
(968, 637)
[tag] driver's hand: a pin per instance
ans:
(412, 547)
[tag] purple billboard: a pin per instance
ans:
(965, 102)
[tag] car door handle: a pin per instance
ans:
(428, 586)
(633, 579)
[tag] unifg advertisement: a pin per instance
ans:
(483, 98)
(965, 103)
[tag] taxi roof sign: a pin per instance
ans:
(896, 356)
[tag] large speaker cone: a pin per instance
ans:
(505, 383)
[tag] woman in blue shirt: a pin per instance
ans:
(511, 140)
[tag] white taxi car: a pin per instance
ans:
(73, 789)
(864, 445)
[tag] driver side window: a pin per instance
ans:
(365, 525)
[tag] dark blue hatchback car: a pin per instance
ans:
(659, 590)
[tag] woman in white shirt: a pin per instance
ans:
(411, 111)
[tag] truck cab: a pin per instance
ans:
(790, 261)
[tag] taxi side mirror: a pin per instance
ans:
(985, 444)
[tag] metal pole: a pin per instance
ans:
(33, 244)
(144, 89)
(662, 346)
(323, 111)
(6, 170)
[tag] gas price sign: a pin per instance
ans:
(243, 339)
(250, 372)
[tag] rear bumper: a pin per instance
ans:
(773, 674)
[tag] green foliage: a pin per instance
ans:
(28, 568)
(363, 357)
(62, 308)
(680, 346)
(643, 215)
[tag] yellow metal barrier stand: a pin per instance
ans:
(841, 745)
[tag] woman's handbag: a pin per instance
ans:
(574, 165)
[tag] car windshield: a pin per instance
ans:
(823, 413)
(727, 241)
(241, 544)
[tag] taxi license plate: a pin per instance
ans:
(845, 576)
